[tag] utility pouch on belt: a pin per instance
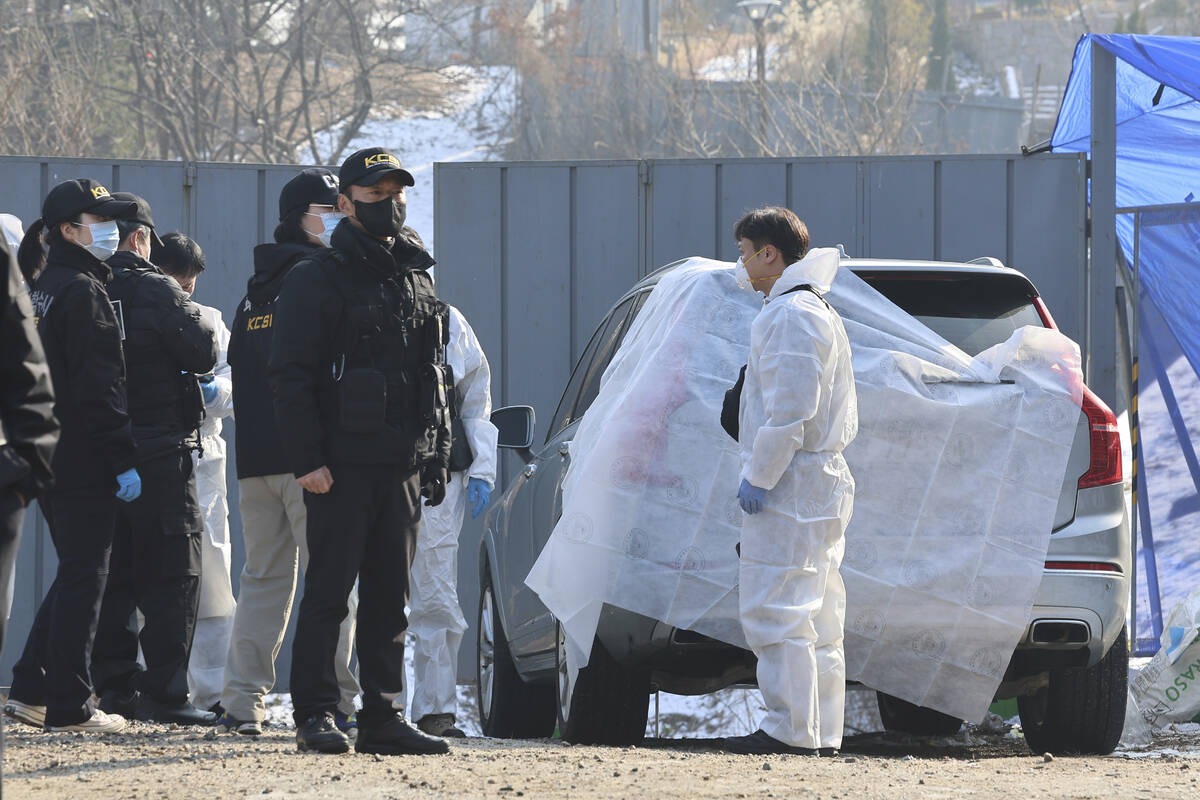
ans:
(461, 454)
(362, 400)
(13, 468)
(731, 408)
(433, 395)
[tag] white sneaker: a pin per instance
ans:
(23, 712)
(99, 722)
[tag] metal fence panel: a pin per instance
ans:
(900, 210)
(604, 253)
(980, 227)
(825, 194)
(1047, 209)
(683, 218)
(744, 187)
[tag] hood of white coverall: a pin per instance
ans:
(817, 269)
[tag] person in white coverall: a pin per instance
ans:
(798, 412)
(435, 618)
(182, 260)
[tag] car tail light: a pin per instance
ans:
(1044, 313)
(1087, 566)
(1105, 438)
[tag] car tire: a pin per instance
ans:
(509, 707)
(902, 716)
(610, 703)
(1081, 710)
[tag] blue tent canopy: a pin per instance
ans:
(1158, 157)
(1157, 96)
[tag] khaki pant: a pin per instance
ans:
(274, 521)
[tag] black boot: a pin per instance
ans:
(760, 743)
(182, 713)
(320, 735)
(396, 736)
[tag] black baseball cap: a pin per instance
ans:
(314, 186)
(71, 198)
(367, 167)
(140, 213)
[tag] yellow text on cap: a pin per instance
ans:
(381, 158)
(98, 192)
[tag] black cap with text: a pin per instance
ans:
(368, 167)
(314, 186)
(69, 199)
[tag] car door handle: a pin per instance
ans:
(530, 470)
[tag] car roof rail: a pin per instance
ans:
(988, 260)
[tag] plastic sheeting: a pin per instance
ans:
(958, 462)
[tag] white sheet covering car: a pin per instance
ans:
(959, 463)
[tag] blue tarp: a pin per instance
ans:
(1158, 163)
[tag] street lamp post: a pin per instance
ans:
(757, 11)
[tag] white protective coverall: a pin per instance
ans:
(214, 620)
(435, 618)
(798, 413)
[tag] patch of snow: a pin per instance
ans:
(740, 66)
(464, 131)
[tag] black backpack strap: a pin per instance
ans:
(806, 288)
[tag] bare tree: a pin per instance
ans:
(224, 80)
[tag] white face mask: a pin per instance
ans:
(744, 281)
(105, 238)
(330, 220)
(741, 276)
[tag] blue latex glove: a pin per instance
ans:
(751, 497)
(131, 485)
(209, 390)
(478, 495)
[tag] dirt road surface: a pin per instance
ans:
(154, 761)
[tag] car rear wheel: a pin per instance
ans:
(905, 717)
(610, 703)
(509, 708)
(1081, 710)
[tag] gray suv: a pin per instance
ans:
(1068, 673)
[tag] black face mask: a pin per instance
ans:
(383, 218)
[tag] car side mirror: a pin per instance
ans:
(516, 426)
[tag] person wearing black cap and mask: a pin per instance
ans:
(274, 518)
(358, 371)
(156, 559)
(94, 462)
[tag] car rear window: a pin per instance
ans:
(972, 311)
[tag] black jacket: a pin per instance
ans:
(87, 369)
(28, 429)
(359, 310)
(259, 446)
(167, 343)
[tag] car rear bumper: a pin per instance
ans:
(1081, 605)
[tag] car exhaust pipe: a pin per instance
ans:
(1060, 632)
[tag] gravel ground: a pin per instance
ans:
(155, 761)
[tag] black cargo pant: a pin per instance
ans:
(155, 569)
(53, 669)
(12, 514)
(364, 527)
